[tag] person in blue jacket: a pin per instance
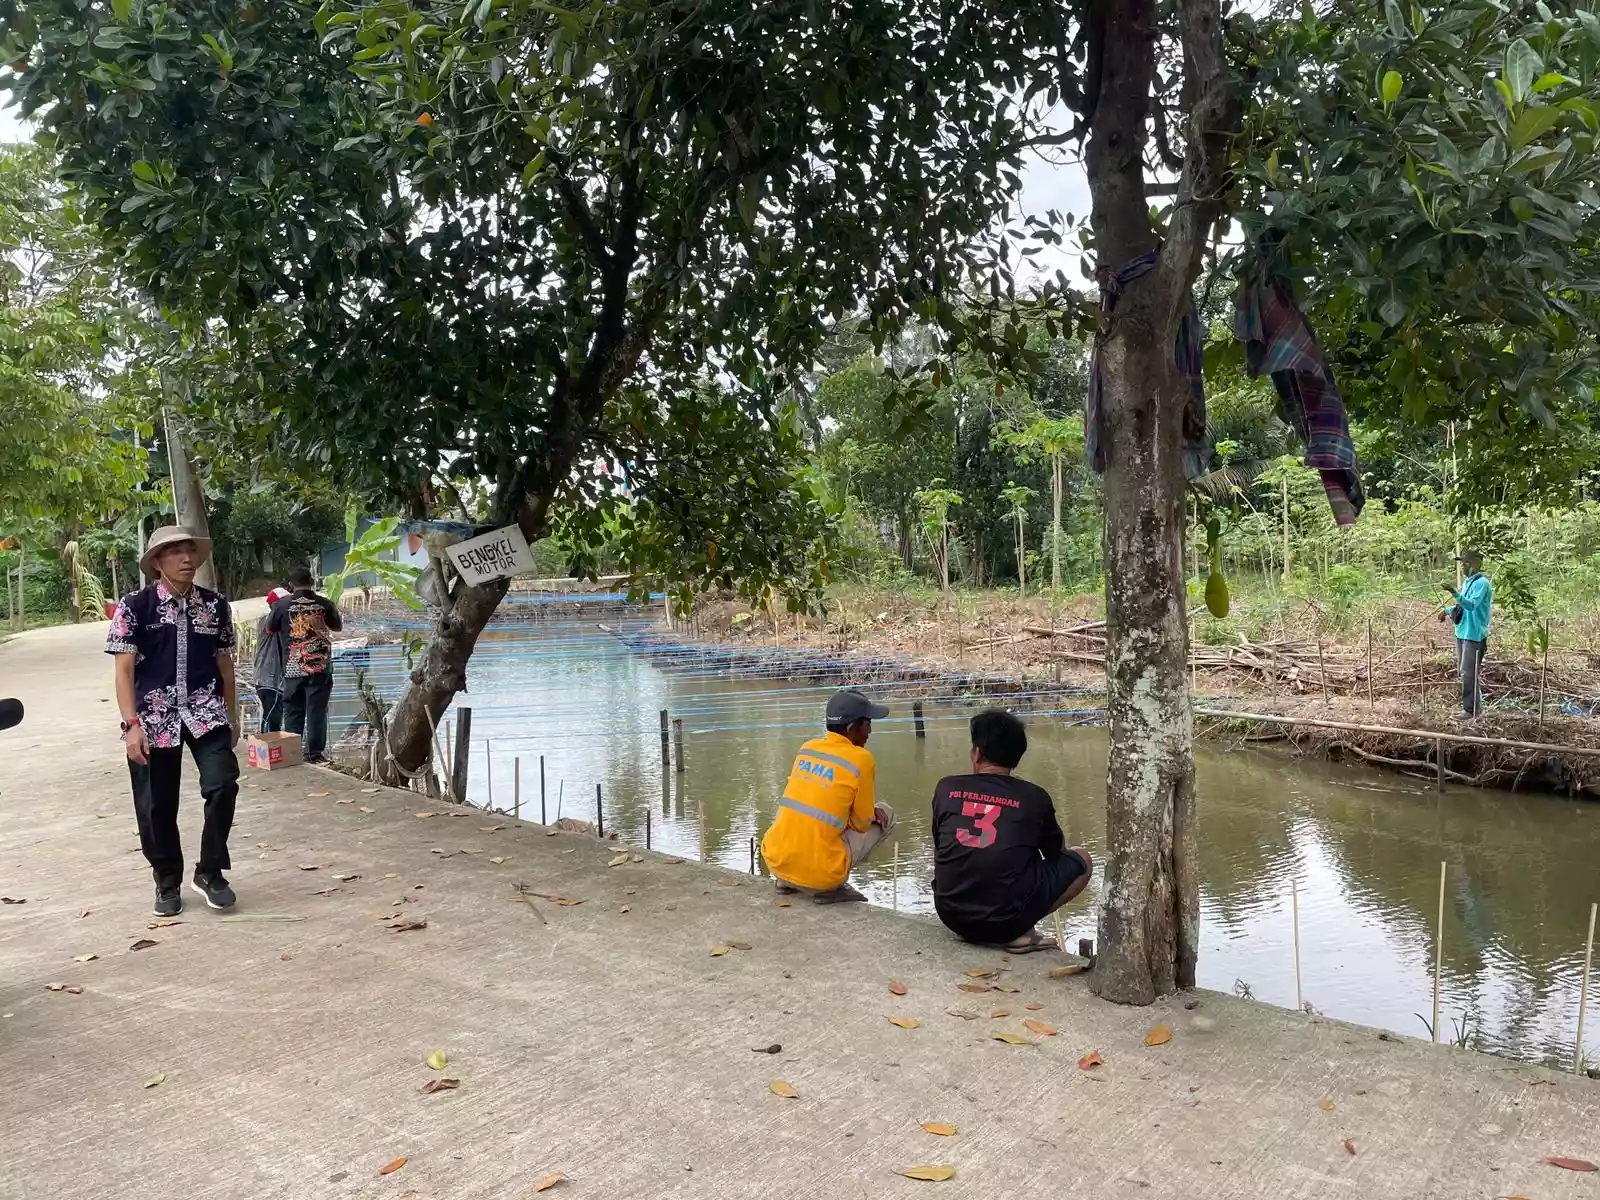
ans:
(1470, 612)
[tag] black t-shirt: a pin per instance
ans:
(988, 835)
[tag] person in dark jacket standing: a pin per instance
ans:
(305, 621)
(173, 643)
(269, 668)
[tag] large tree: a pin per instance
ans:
(468, 242)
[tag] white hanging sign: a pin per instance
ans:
(494, 555)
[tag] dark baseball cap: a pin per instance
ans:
(850, 705)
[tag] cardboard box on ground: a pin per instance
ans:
(273, 751)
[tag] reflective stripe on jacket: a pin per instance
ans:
(830, 789)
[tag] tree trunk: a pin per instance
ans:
(1149, 923)
(1055, 524)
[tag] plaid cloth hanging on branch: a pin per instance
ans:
(1279, 342)
(1188, 352)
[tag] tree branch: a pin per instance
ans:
(1213, 124)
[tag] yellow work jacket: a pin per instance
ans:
(830, 789)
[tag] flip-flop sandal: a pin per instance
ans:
(784, 889)
(839, 895)
(1035, 943)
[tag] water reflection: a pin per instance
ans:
(1363, 848)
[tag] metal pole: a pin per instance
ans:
(488, 773)
(894, 894)
(542, 819)
(1583, 991)
(599, 812)
(647, 824)
(1438, 955)
(666, 753)
(463, 749)
(516, 788)
(677, 741)
(916, 718)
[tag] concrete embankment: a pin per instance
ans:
(280, 1051)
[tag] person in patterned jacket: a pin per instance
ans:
(173, 642)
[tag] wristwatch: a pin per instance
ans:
(130, 723)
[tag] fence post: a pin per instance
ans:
(916, 717)
(666, 753)
(599, 813)
(516, 788)
(677, 740)
(542, 818)
(463, 746)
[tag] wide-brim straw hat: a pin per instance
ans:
(166, 536)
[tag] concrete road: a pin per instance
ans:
(606, 1042)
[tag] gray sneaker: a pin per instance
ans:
(169, 902)
(214, 888)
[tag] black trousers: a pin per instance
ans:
(305, 710)
(155, 804)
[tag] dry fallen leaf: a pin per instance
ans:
(312, 866)
(782, 904)
(1009, 988)
(932, 1172)
(1326, 1104)
(730, 882)
(440, 1085)
(1040, 1028)
(1034, 1007)
(999, 1014)
(638, 858)
(347, 878)
(1570, 1164)
(468, 850)
(974, 987)
(1090, 1060)
(551, 832)
(144, 944)
(395, 1165)
(906, 1022)
(408, 926)
(779, 1088)
(82, 913)
(74, 991)
(672, 862)
(738, 945)
(365, 809)
(423, 816)
(1349, 1146)
(625, 908)
(498, 859)
(982, 973)
(939, 1128)
(368, 791)
(898, 988)
(436, 1060)
(1064, 972)
(316, 795)
(155, 1080)
(1012, 1039)
(1159, 1036)
(348, 801)
(489, 828)
(719, 951)
(618, 860)
(13, 900)
(163, 923)
(962, 1013)
(55, 987)
(327, 891)
(568, 902)
(84, 957)
(545, 1182)
(775, 1048)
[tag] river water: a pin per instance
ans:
(1363, 848)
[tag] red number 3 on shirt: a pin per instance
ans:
(983, 831)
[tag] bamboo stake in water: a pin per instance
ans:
(1544, 672)
(543, 820)
(1369, 664)
(1583, 991)
(488, 774)
(894, 895)
(1294, 902)
(1438, 954)
(516, 788)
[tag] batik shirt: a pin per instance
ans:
(305, 621)
(175, 641)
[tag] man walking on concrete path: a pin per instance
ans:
(173, 643)
(1471, 612)
(829, 820)
(304, 620)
